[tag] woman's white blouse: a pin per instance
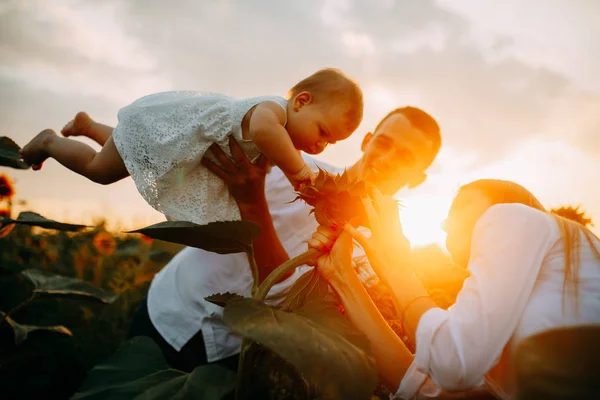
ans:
(514, 290)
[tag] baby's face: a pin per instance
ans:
(314, 126)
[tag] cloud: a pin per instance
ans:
(485, 97)
(493, 78)
(556, 34)
(74, 47)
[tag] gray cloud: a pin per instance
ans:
(238, 46)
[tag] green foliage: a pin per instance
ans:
(310, 286)
(303, 349)
(49, 284)
(60, 267)
(325, 348)
(9, 154)
(22, 331)
(35, 219)
(560, 363)
(139, 371)
(219, 237)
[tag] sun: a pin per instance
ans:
(422, 218)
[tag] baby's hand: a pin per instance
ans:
(306, 176)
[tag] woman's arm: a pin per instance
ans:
(389, 254)
(391, 355)
(455, 348)
(459, 346)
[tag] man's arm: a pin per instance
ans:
(246, 183)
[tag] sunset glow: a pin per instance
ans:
(422, 219)
(154, 164)
(516, 99)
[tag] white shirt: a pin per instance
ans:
(176, 304)
(514, 290)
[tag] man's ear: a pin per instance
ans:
(302, 99)
(416, 180)
(366, 141)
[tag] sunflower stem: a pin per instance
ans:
(18, 307)
(259, 292)
(254, 269)
(307, 257)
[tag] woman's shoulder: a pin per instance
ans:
(512, 216)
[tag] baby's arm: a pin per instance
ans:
(267, 131)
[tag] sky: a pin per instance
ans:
(514, 85)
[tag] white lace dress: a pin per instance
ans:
(162, 138)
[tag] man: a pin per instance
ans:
(187, 328)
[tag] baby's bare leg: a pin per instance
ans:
(83, 125)
(104, 167)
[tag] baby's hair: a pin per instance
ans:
(332, 85)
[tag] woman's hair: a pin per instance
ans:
(500, 192)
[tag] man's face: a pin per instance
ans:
(395, 154)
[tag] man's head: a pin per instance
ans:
(402, 147)
(322, 109)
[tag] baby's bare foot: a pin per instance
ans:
(79, 126)
(35, 152)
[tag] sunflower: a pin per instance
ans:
(7, 190)
(104, 243)
(574, 214)
(146, 239)
(335, 199)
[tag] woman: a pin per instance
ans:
(530, 271)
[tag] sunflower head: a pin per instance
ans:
(7, 190)
(104, 243)
(335, 199)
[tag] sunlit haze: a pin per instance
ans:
(514, 85)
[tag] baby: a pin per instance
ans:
(160, 140)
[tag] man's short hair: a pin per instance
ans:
(420, 120)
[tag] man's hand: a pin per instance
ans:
(246, 181)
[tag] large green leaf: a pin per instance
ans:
(9, 154)
(6, 227)
(210, 381)
(34, 219)
(328, 353)
(21, 331)
(310, 286)
(138, 370)
(266, 375)
(219, 237)
(559, 363)
(327, 315)
(129, 249)
(49, 284)
(221, 299)
(160, 256)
